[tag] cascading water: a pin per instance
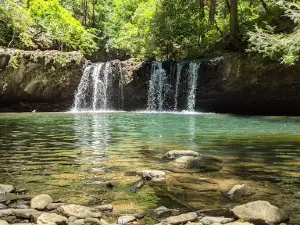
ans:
(158, 87)
(193, 80)
(178, 73)
(163, 94)
(92, 92)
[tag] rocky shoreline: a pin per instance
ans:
(18, 208)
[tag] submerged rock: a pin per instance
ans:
(163, 212)
(155, 175)
(41, 201)
(5, 188)
(260, 210)
(79, 211)
(126, 219)
(208, 220)
(182, 218)
(174, 154)
(51, 219)
(239, 191)
(203, 163)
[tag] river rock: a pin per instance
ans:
(95, 221)
(155, 175)
(53, 206)
(3, 222)
(27, 213)
(259, 210)
(6, 212)
(239, 191)
(208, 220)
(2, 206)
(5, 188)
(178, 153)
(163, 212)
(203, 163)
(239, 223)
(103, 208)
(126, 219)
(41, 201)
(18, 206)
(51, 219)
(6, 198)
(77, 222)
(79, 211)
(182, 218)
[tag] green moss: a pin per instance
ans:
(15, 60)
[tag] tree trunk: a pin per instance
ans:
(212, 11)
(233, 20)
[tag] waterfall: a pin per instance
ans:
(192, 81)
(93, 90)
(178, 73)
(173, 91)
(158, 87)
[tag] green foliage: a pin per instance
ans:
(283, 47)
(44, 24)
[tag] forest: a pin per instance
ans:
(154, 29)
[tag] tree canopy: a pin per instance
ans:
(161, 29)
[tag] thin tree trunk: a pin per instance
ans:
(233, 20)
(212, 11)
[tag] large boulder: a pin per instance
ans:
(260, 210)
(5, 188)
(79, 211)
(3, 222)
(51, 219)
(40, 202)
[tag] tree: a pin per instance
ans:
(233, 20)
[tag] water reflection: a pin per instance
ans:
(93, 132)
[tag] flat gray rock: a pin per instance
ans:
(103, 208)
(26, 213)
(182, 218)
(41, 201)
(259, 210)
(209, 220)
(163, 212)
(79, 211)
(2, 206)
(6, 212)
(174, 154)
(5, 188)
(51, 219)
(53, 206)
(126, 219)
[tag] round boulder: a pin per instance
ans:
(40, 202)
(260, 210)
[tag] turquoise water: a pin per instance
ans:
(71, 156)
